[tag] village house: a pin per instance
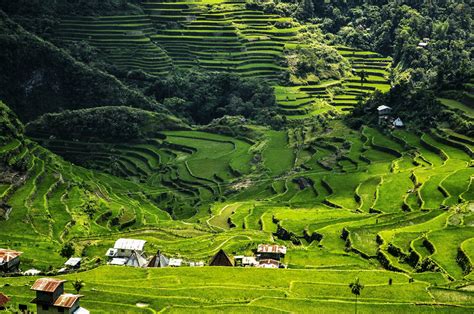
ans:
(9, 261)
(245, 261)
(175, 262)
(128, 252)
(73, 263)
(384, 113)
(221, 259)
(3, 301)
(50, 298)
(270, 251)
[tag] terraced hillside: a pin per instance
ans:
(228, 37)
(340, 96)
(367, 199)
(393, 207)
(124, 39)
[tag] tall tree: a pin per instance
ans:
(356, 289)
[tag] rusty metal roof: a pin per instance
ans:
(8, 255)
(3, 299)
(271, 248)
(268, 263)
(47, 284)
(67, 300)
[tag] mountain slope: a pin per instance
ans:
(37, 78)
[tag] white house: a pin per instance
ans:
(128, 252)
(125, 248)
(175, 262)
(384, 110)
(245, 261)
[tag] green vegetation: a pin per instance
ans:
(211, 125)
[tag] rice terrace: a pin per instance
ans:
(236, 156)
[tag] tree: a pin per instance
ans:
(363, 77)
(356, 288)
(67, 250)
(78, 285)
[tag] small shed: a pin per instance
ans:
(3, 301)
(159, 260)
(398, 123)
(73, 262)
(9, 260)
(175, 262)
(221, 259)
(245, 261)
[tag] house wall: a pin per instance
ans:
(49, 298)
(126, 253)
(50, 309)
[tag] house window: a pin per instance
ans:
(45, 307)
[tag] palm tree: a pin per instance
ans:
(356, 288)
(78, 285)
(363, 77)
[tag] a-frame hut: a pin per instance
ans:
(136, 260)
(159, 260)
(221, 259)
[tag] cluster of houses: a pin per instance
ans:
(50, 295)
(50, 298)
(131, 252)
(10, 263)
(386, 118)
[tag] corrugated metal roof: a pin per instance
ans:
(271, 248)
(67, 300)
(47, 284)
(129, 244)
(268, 263)
(3, 299)
(8, 255)
(73, 261)
(383, 107)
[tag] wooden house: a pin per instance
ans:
(9, 261)
(221, 259)
(270, 251)
(50, 298)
